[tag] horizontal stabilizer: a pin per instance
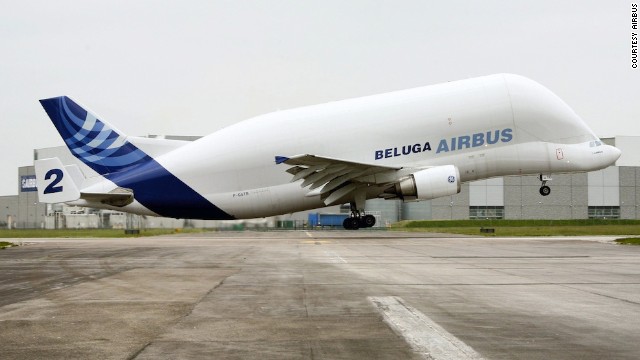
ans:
(117, 197)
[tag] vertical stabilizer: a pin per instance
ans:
(54, 182)
(96, 143)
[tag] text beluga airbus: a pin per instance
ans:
(453, 144)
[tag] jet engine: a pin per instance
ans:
(429, 183)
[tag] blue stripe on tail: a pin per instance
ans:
(163, 193)
(109, 153)
(92, 141)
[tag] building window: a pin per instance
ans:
(486, 212)
(604, 212)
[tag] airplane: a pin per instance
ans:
(416, 144)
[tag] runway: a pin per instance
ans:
(320, 295)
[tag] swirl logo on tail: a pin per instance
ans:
(96, 143)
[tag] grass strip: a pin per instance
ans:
(629, 241)
(525, 227)
(5, 244)
(87, 233)
(514, 223)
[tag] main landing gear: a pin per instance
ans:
(544, 189)
(358, 219)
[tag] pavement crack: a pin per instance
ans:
(603, 295)
(179, 319)
(200, 300)
(135, 355)
(304, 300)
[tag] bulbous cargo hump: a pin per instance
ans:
(540, 115)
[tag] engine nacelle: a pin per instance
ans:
(429, 183)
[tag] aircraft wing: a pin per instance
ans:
(335, 179)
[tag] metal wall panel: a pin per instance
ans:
(603, 188)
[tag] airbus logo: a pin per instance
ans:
(450, 144)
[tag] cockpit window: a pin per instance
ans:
(595, 143)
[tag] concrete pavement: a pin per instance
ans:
(307, 295)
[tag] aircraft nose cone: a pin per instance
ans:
(614, 153)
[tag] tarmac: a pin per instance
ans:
(320, 295)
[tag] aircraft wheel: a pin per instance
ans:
(351, 223)
(545, 190)
(368, 221)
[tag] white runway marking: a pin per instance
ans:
(308, 234)
(421, 333)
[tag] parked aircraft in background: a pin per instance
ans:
(416, 144)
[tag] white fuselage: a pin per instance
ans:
(491, 126)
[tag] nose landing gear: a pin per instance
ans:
(544, 189)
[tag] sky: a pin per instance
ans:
(193, 67)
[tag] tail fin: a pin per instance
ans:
(93, 141)
(76, 175)
(55, 183)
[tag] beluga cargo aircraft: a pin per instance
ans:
(415, 144)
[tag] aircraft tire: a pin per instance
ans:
(351, 223)
(545, 190)
(368, 221)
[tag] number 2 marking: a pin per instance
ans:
(57, 177)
